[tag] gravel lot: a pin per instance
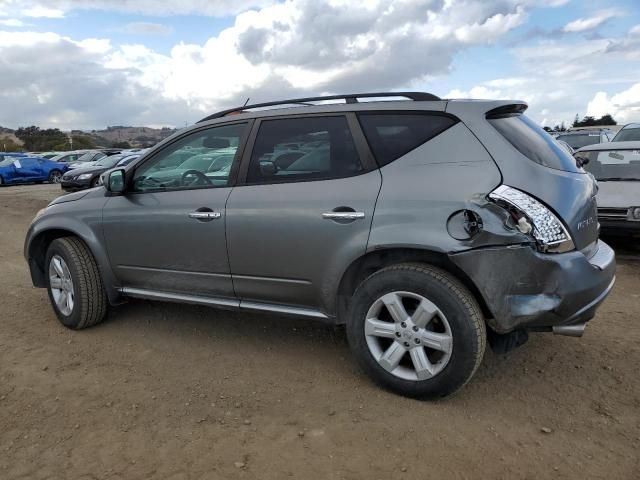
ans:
(184, 392)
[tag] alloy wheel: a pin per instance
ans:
(408, 335)
(61, 285)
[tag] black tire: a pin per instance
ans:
(1, 182)
(94, 182)
(90, 299)
(456, 303)
(55, 176)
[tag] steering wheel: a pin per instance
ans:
(202, 178)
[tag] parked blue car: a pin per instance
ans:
(22, 169)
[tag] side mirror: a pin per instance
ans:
(114, 181)
(268, 168)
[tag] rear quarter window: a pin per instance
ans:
(392, 135)
(533, 142)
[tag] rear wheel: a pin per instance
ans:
(55, 176)
(416, 330)
(74, 284)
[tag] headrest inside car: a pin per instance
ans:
(215, 142)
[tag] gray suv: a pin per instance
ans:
(429, 227)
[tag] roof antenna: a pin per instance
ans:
(245, 103)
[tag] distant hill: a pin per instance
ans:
(135, 136)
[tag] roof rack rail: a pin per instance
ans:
(348, 98)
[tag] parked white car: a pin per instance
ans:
(616, 167)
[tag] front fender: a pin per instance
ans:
(86, 224)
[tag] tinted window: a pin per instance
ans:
(188, 163)
(612, 165)
(534, 143)
(580, 140)
(628, 135)
(316, 148)
(392, 135)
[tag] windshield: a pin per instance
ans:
(628, 135)
(534, 143)
(6, 161)
(580, 140)
(614, 165)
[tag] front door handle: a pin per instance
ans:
(205, 216)
(343, 215)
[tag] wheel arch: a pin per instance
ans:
(378, 259)
(36, 252)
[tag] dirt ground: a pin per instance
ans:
(183, 392)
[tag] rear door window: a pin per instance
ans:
(299, 149)
(392, 135)
(533, 142)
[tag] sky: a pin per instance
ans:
(86, 64)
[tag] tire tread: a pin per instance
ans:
(460, 292)
(93, 300)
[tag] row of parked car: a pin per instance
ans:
(61, 167)
(585, 136)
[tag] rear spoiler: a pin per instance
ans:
(507, 110)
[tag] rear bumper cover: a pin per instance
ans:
(527, 289)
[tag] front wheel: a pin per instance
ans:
(74, 284)
(416, 330)
(55, 176)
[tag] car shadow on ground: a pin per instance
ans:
(544, 359)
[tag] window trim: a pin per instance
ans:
(426, 113)
(233, 172)
(366, 157)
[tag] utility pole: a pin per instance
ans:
(71, 142)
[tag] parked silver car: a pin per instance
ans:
(427, 226)
(616, 167)
(628, 133)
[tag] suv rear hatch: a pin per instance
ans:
(530, 160)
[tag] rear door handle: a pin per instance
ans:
(205, 215)
(343, 215)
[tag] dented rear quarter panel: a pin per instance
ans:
(422, 189)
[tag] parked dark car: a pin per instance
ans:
(89, 177)
(16, 169)
(429, 227)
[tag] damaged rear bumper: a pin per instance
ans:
(524, 288)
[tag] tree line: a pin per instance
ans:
(36, 139)
(587, 121)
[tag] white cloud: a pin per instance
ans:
(58, 8)
(290, 48)
(12, 22)
(146, 28)
(589, 23)
(624, 106)
(42, 12)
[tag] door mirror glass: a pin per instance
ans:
(115, 181)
